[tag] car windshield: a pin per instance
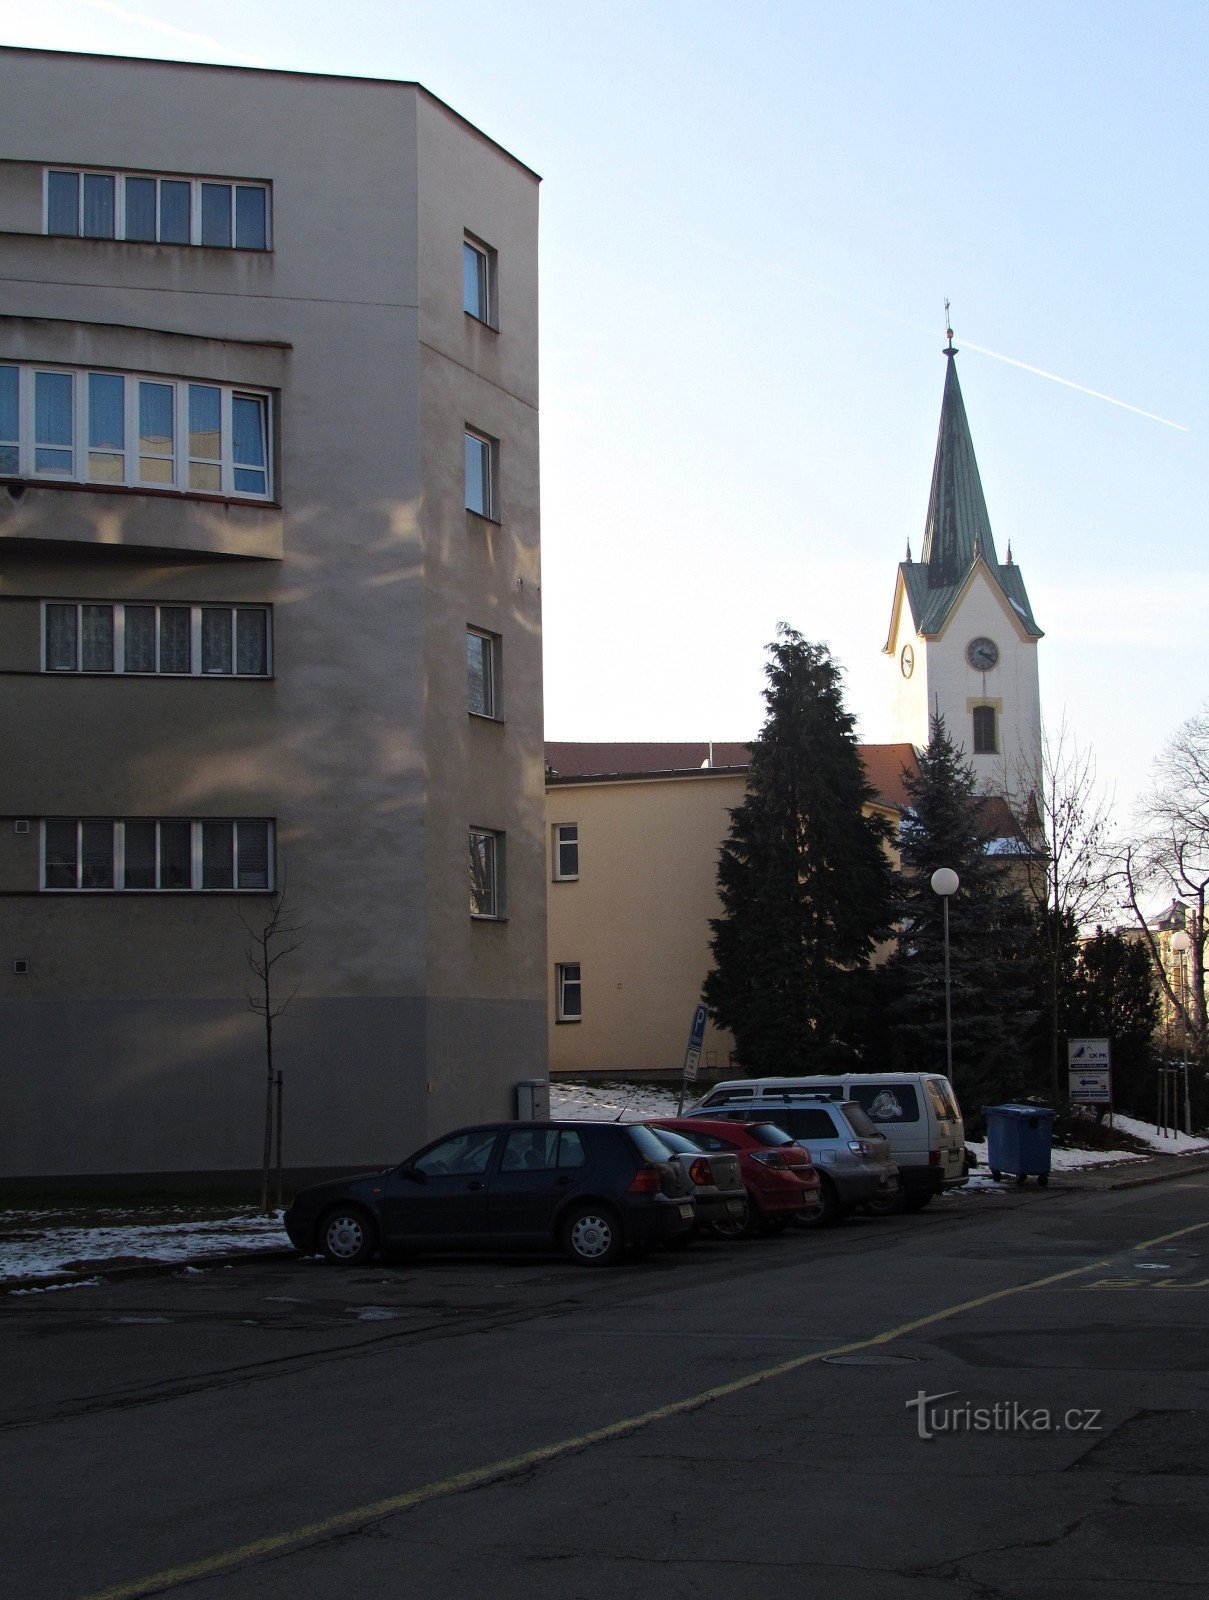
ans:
(649, 1144)
(677, 1141)
(861, 1124)
(942, 1099)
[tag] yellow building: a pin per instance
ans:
(633, 837)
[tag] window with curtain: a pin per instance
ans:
(128, 637)
(215, 856)
(144, 208)
(171, 434)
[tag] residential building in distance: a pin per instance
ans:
(269, 617)
(634, 832)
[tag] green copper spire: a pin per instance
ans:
(958, 527)
(957, 530)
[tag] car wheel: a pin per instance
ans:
(592, 1236)
(744, 1225)
(916, 1202)
(348, 1236)
(1043, 1180)
(830, 1210)
(887, 1205)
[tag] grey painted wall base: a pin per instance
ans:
(118, 1090)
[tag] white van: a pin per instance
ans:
(917, 1112)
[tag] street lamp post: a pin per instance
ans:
(946, 883)
(1179, 946)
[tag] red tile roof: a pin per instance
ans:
(884, 763)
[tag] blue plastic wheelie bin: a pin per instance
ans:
(1019, 1141)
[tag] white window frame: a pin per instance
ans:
(488, 267)
(565, 833)
(119, 176)
(119, 668)
(491, 477)
(80, 446)
(118, 826)
(562, 982)
(495, 875)
(492, 676)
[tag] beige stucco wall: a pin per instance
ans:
(360, 745)
(637, 918)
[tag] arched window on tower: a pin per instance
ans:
(986, 741)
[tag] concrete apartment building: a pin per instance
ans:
(269, 615)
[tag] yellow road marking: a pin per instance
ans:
(476, 1477)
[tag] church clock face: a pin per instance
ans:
(982, 654)
(906, 661)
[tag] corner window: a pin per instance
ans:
(482, 475)
(83, 853)
(567, 999)
(486, 873)
(566, 851)
(986, 742)
(478, 281)
(123, 429)
(482, 673)
(147, 209)
(175, 640)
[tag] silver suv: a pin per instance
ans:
(853, 1159)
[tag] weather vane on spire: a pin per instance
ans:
(948, 326)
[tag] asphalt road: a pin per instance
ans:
(730, 1422)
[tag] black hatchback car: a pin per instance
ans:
(593, 1189)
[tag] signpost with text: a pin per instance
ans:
(1090, 1065)
(692, 1055)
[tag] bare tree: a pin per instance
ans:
(1068, 872)
(1171, 858)
(269, 942)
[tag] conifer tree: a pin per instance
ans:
(991, 940)
(803, 876)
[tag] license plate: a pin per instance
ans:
(686, 1209)
(734, 1207)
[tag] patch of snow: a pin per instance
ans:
(52, 1288)
(614, 1102)
(1178, 1145)
(31, 1246)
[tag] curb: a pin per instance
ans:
(144, 1269)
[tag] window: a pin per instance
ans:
(482, 472)
(985, 740)
(887, 1102)
(478, 281)
(465, 1155)
(103, 853)
(486, 873)
(566, 851)
(145, 209)
(186, 641)
(483, 673)
(568, 1003)
(120, 428)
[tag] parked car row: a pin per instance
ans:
(752, 1157)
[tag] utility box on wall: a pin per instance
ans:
(533, 1100)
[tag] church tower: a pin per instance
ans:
(963, 639)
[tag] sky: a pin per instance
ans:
(752, 215)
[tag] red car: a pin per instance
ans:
(778, 1174)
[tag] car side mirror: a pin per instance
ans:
(413, 1173)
